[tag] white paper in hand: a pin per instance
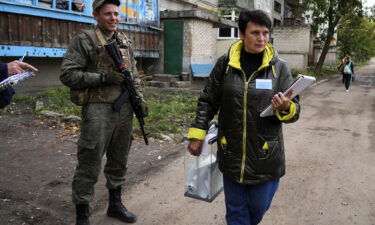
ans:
(300, 84)
(13, 80)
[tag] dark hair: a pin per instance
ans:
(258, 17)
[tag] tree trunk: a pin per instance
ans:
(332, 23)
(319, 65)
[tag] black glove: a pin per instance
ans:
(144, 109)
(112, 78)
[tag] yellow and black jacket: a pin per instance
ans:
(251, 148)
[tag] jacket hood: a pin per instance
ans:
(270, 55)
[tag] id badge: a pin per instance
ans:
(263, 84)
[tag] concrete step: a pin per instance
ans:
(181, 84)
(160, 84)
(166, 77)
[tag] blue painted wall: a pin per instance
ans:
(138, 12)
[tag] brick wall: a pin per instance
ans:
(203, 41)
(199, 43)
(292, 39)
(293, 44)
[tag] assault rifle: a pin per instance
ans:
(129, 90)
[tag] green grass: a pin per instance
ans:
(326, 70)
(23, 99)
(58, 99)
(169, 113)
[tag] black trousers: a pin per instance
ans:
(347, 80)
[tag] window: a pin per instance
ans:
(76, 6)
(229, 33)
(277, 7)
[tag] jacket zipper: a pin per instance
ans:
(244, 134)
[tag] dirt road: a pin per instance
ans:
(330, 154)
(330, 168)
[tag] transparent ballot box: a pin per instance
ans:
(203, 179)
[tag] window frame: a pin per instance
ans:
(32, 8)
(277, 7)
(232, 16)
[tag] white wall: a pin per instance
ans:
(178, 5)
(331, 58)
(295, 61)
(265, 5)
(294, 39)
(199, 43)
(223, 46)
(293, 43)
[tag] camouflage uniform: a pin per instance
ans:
(103, 130)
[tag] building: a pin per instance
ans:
(189, 36)
(232, 8)
(42, 29)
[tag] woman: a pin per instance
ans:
(250, 149)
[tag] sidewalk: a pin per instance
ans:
(159, 200)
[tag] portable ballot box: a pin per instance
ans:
(203, 179)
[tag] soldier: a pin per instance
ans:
(90, 73)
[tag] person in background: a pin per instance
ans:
(348, 72)
(250, 148)
(8, 69)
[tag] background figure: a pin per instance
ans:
(250, 148)
(348, 72)
(90, 73)
(8, 69)
(341, 69)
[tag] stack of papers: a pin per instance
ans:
(13, 80)
(300, 84)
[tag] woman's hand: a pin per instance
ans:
(195, 147)
(281, 102)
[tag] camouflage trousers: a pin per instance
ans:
(103, 131)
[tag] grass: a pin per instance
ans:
(23, 99)
(58, 99)
(326, 70)
(169, 113)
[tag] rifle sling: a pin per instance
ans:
(100, 36)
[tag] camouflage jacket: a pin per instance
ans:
(85, 59)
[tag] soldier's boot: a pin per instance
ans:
(116, 209)
(82, 214)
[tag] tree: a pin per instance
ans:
(326, 15)
(356, 37)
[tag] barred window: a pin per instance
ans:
(277, 7)
(229, 33)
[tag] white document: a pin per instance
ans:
(13, 80)
(300, 84)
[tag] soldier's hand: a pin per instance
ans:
(144, 109)
(114, 78)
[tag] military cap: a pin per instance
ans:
(97, 3)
